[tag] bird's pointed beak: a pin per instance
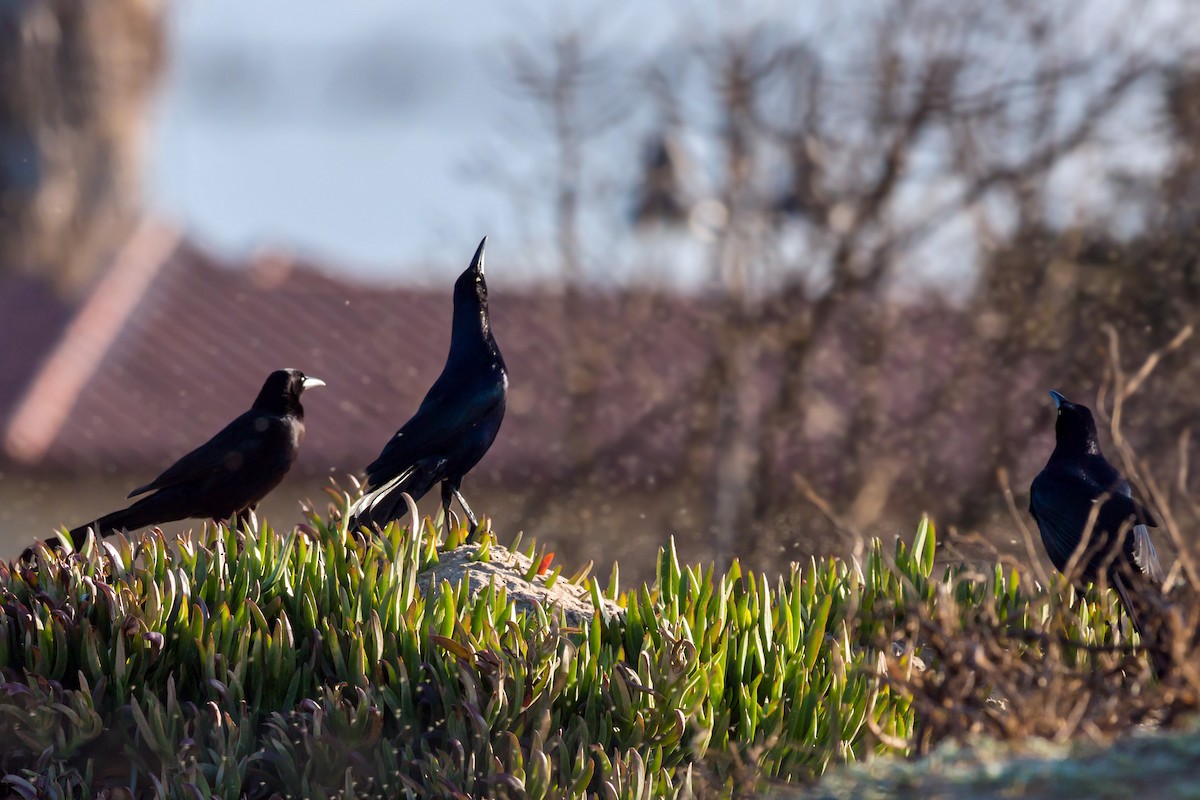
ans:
(311, 382)
(477, 261)
(1058, 399)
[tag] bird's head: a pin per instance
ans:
(471, 300)
(281, 392)
(1075, 427)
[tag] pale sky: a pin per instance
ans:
(346, 131)
(352, 133)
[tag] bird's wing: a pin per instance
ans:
(1144, 554)
(439, 423)
(1145, 557)
(238, 444)
(1139, 511)
(1050, 503)
(1120, 509)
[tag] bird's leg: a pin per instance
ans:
(448, 517)
(462, 501)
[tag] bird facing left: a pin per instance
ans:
(227, 475)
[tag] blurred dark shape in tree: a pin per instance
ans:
(76, 78)
(660, 196)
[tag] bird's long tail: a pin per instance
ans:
(138, 515)
(147, 511)
(384, 503)
(1152, 636)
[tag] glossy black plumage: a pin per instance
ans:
(227, 475)
(1063, 497)
(455, 424)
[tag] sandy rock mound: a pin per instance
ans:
(508, 569)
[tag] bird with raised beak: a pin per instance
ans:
(455, 424)
(1079, 487)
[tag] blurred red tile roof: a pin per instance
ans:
(32, 317)
(171, 345)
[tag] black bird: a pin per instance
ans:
(1062, 500)
(455, 424)
(228, 474)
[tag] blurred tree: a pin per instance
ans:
(839, 159)
(1048, 292)
(565, 86)
(76, 79)
(1181, 184)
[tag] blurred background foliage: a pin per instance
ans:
(895, 224)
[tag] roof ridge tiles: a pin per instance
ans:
(40, 414)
